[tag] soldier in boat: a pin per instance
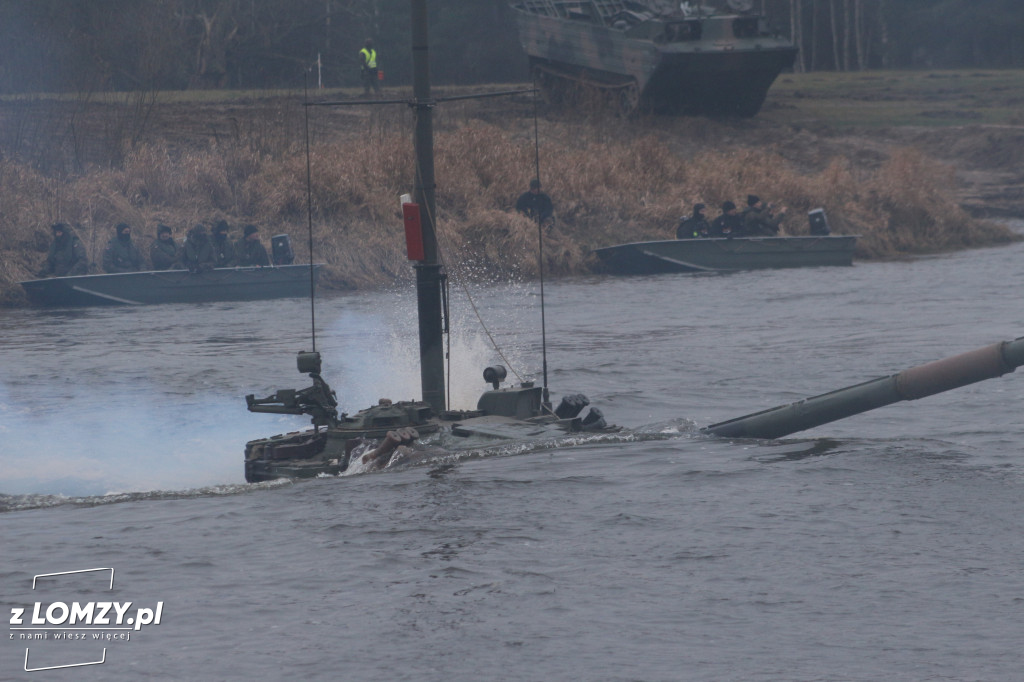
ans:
(729, 224)
(536, 205)
(224, 255)
(760, 220)
(197, 253)
(694, 226)
(165, 253)
(66, 256)
(121, 254)
(250, 249)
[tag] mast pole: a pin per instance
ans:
(540, 250)
(428, 271)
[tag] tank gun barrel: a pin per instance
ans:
(910, 384)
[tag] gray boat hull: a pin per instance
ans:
(173, 286)
(719, 254)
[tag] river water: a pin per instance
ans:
(886, 547)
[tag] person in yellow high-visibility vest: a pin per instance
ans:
(368, 67)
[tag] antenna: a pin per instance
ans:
(540, 246)
(309, 217)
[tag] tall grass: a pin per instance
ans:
(611, 183)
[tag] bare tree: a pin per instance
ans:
(796, 30)
(858, 28)
(815, 27)
(218, 28)
(883, 26)
(835, 34)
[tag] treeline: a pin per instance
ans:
(853, 35)
(85, 45)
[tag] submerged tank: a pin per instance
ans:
(387, 432)
(698, 57)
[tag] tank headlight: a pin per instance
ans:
(494, 375)
(308, 363)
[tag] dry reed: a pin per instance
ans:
(608, 187)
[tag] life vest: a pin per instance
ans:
(369, 58)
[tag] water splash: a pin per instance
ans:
(128, 442)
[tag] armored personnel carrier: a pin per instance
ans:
(698, 57)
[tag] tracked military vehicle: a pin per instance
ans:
(698, 57)
(512, 413)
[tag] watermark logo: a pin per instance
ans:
(78, 621)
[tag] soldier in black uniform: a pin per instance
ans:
(694, 226)
(224, 255)
(121, 255)
(164, 252)
(250, 249)
(197, 253)
(536, 205)
(66, 256)
(729, 224)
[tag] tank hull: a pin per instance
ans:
(313, 453)
(377, 434)
(734, 84)
(717, 74)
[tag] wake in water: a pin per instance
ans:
(11, 503)
(438, 451)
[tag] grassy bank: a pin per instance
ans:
(612, 181)
(883, 99)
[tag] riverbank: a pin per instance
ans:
(920, 184)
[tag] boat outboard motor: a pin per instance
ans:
(281, 248)
(819, 222)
